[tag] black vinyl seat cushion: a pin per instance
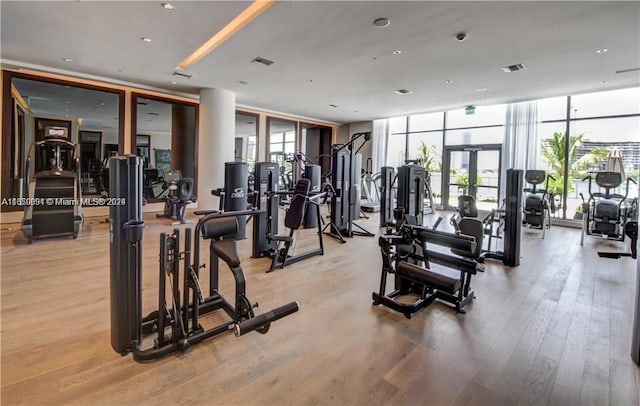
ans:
(427, 277)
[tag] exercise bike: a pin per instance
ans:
(537, 207)
(606, 214)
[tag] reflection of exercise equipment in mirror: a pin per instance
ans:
(606, 214)
(537, 204)
(53, 192)
(178, 193)
(178, 321)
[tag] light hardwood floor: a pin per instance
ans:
(555, 330)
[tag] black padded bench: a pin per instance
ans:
(427, 277)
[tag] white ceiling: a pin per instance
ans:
(331, 53)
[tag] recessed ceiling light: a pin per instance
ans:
(67, 101)
(334, 106)
(67, 59)
(381, 22)
(355, 111)
(601, 51)
(309, 80)
(167, 6)
(173, 82)
(243, 82)
(448, 81)
(146, 39)
(397, 52)
(402, 91)
(481, 89)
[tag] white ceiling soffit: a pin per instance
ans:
(330, 53)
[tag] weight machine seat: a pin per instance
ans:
(607, 210)
(184, 191)
(428, 277)
(473, 228)
(295, 214)
(227, 250)
(467, 206)
(535, 177)
(220, 227)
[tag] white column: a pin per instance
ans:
(216, 133)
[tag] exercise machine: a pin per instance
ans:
(370, 186)
(411, 190)
(429, 274)
(507, 219)
(387, 195)
(606, 214)
(234, 195)
(537, 207)
(300, 203)
(266, 201)
(176, 323)
(53, 192)
(345, 182)
(179, 195)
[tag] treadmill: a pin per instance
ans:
(52, 193)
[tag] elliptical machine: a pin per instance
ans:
(606, 214)
(537, 208)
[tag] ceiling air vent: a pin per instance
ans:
(184, 75)
(402, 91)
(263, 61)
(513, 68)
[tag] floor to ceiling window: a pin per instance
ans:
(597, 124)
(468, 146)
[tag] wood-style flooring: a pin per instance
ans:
(554, 331)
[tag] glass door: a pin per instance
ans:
(474, 171)
(456, 178)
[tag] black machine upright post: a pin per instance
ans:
(266, 183)
(635, 339)
(341, 176)
(411, 187)
(388, 174)
(236, 179)
(125, 253)
(513, 217)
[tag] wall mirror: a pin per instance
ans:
(246, 148)
(34, 108)
(165, 136)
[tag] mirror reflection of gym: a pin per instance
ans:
(245, 148)
(92, 117)
(165, 139)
